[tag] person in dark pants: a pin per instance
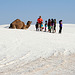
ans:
(36, 26)
(60, 26)
(45, 26)
(54, 25)
(49, 25)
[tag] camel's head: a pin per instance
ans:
(29, 22)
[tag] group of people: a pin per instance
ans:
(51, 24)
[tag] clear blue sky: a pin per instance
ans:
(32, 9)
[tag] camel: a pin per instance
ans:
(18, 24)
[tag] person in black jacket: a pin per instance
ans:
(60, 26)
(36, 26)
(54, 25)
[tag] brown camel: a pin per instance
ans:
(18, 24)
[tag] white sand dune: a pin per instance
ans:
(27, 52)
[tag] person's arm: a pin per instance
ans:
(37, 20)
(41, 19)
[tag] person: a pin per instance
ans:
(49, 25)
(36, 26)
(54, 25)
(45, 26)
(42, 27)
(40, 20)
(60, 26)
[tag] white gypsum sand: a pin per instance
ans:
(27, 52)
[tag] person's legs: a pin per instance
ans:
(45, 28)
(36, 29)
(40, 27)
(60, 29)
(54, 29)
(50, 29)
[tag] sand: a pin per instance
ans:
(27, 52)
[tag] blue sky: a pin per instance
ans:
(32, 9)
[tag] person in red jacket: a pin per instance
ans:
(40, 20)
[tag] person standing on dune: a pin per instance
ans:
(60, 26)
(36, 26)
(46, 26)
(54, 25)
(40, 20)
(49, 25)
